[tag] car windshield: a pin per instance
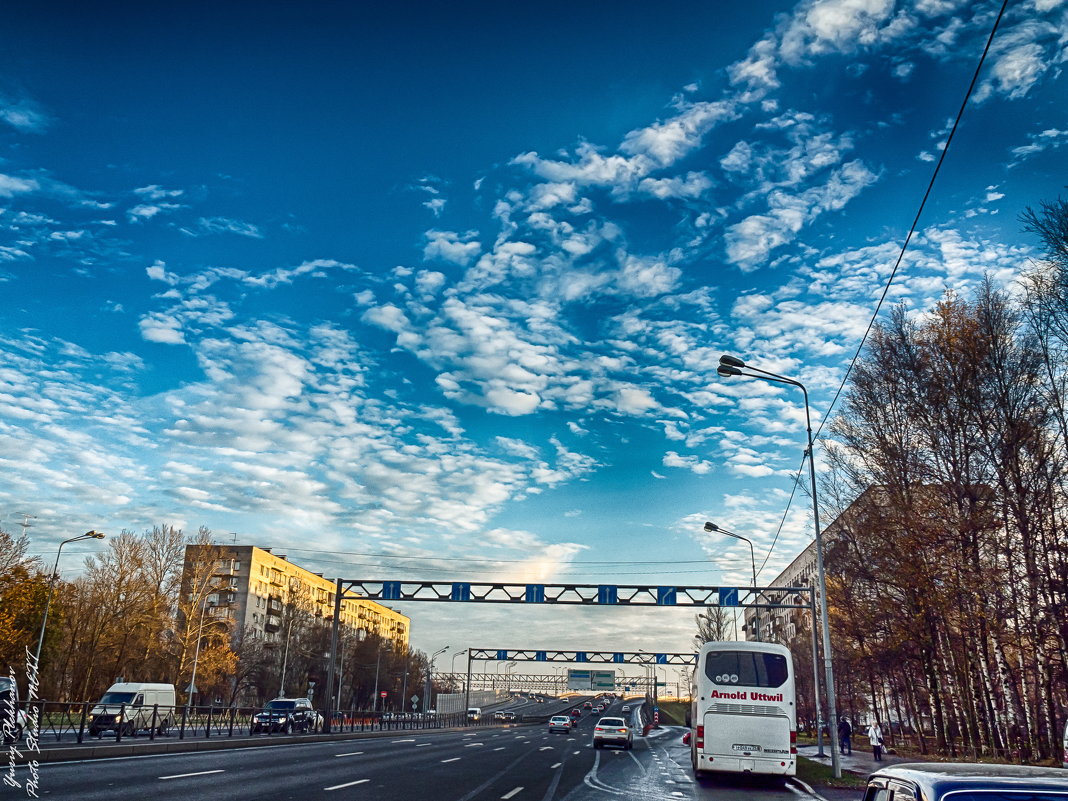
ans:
(117, 698)
(746, 668)
(616, 722)
(281, 704)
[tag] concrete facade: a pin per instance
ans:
(259, 584)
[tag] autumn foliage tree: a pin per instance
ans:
(948, 575)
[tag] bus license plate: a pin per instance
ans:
(741, 747)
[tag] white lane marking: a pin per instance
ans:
(558, 764)
(423, 745)
(351, 753)
(346, 784)
(510, 793)
(198, 773)
(499, 749)
(576, 752)
(405, 741)
(474, 745)
(454, 759)
(546, 748)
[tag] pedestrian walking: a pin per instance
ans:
(845, 736)
(875, 737)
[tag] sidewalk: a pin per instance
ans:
(860, 763)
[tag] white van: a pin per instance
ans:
(474, 713)
(131, 706)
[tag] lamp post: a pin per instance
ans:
(458, 653)
(752, 557)
(89, 535)
(733, 366)
(429, 677)
(200, 636)
(294, 583)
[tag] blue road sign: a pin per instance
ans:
(665, 596)
(535, 594)
(728, 596)
(607, 594)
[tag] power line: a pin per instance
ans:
(501, 561)
(893, 272)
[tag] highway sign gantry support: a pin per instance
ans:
(614, 595)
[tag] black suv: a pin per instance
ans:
(287, 715)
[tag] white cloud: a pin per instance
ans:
(692, 463)
(692, 185)
(668, 141)
(11, 186)
(451, 247)
(155, 192)
(317, 268)
(223, 225)
(158, 272)
(1047, 139)
(146, 211)
(751, 241)
(23, 115)
(163, 328)
(388, 317)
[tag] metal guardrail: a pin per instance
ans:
(73, 722)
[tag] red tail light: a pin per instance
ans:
(793, 742)
(700, 736)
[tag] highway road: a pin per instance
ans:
(516, 763)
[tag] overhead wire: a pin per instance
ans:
(893, 271)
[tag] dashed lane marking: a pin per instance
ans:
(454, 759)
(351, 753)
(347, 784)
(558, 764)
(510, 793)
(198, 773)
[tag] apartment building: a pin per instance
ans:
(256, 585)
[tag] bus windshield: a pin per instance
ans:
(746, 668)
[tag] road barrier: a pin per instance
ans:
(74, 722)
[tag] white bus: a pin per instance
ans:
(744, 714)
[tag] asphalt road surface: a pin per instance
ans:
(520, 763)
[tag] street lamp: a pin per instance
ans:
(89, 535)
(458, 653)
(429, 677)
(752, 557)
(732, 366)
(196, 652)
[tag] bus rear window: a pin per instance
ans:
(746, 669)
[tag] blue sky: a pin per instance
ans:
(453, 282)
